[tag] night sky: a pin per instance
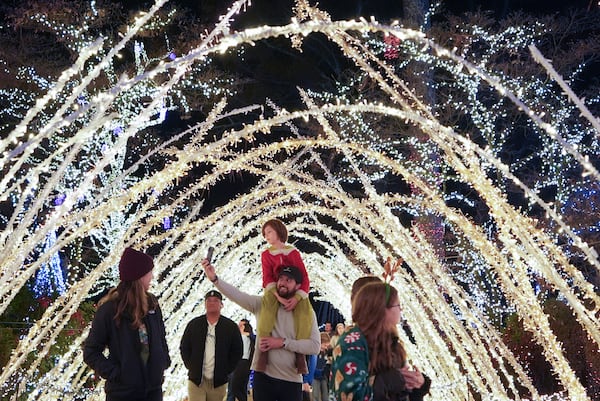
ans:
(271, 10)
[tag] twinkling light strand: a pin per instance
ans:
(75, 141)
(514, 39)
(365, 224)
(568, 91)
(62, 110)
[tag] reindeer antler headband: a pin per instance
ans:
(389, 269)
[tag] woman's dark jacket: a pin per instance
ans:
(228, 348)
(390, 385)
(124, 371)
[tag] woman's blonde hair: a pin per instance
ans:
(369, 314)
(131, 300)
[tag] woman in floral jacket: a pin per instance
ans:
(369, 361)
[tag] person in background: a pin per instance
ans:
(322, 371)
(328, 329)
(308, 378)
(238, 386)
(129, 323)
(211, 347)
(339, 329)
(372, 348)
(281, 254)
(360, 283)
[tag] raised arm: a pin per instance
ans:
(249, 302)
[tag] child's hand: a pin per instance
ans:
(290, 304)
(279, 298)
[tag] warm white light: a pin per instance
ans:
(115, 205)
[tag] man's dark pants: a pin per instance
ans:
(266, 388)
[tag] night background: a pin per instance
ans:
(500, 267)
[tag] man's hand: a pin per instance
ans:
(268, 343)
(412, 378)
(209, 270)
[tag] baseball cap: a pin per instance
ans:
(293, 272)
(214, 293)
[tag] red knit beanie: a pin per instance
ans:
(134, 265)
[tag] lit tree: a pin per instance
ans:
(49, 280)
(352, 223)
(64, 36)
(470, 104)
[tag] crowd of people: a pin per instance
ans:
(289, 359)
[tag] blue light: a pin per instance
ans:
(49, 279)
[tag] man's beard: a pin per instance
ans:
(285, 294)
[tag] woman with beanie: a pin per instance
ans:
(129, 323)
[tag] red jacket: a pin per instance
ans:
(274, 259)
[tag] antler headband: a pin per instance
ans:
(389, 269)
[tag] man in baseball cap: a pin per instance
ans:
(211, 347)
(288, 281)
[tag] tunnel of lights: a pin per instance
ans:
(295, 184)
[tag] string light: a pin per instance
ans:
(117, 206)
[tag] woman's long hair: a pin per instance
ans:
(248, 328)
(369, 314)
(131, 300)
